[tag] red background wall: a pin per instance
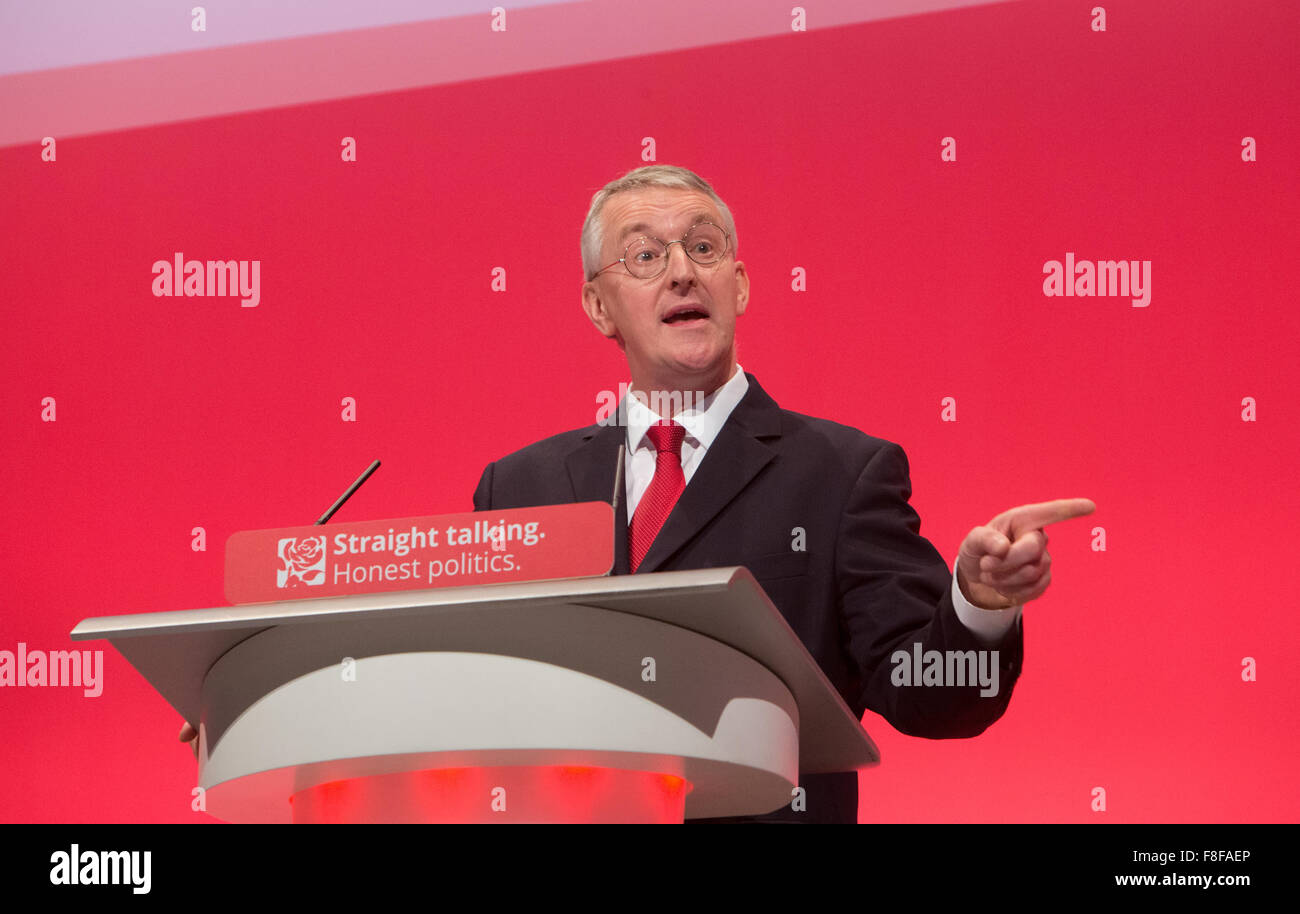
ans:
(924, 282)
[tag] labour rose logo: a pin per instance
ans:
(302, 562)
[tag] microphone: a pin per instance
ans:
(348, 494)
(618, 477)
(618, 490)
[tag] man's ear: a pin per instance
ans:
(742, 288)
(594, 305)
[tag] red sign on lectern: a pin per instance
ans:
(417, 553)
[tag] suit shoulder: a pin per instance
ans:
(547, 451)
(836, 436)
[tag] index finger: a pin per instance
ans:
(1039, 515)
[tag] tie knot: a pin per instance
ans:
(666, 436)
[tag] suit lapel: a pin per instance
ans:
(736, 457)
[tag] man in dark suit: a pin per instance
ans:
(718, 474)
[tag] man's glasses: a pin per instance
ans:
(646, 258)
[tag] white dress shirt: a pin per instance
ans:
(703, 420)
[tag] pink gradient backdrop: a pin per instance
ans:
(924, 282)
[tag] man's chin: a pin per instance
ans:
(696, 369)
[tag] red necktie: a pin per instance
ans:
(657, 502)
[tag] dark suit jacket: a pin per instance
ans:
(866, 585)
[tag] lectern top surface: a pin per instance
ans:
(175, 649)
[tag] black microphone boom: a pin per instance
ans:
(618, 477)
(348, 494)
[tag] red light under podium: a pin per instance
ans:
(507, 794)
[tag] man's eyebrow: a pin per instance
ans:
(696, 218)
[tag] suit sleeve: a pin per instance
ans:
(483, 494)
(895, 592)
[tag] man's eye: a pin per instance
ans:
(704, 247)
(643, 256)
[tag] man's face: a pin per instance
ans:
(678, 330)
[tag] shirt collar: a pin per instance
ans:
(702, 419)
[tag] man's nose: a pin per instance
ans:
(680, 267)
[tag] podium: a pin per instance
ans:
(632, 698)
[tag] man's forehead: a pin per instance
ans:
(653, 210)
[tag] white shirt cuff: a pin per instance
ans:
(989, 625)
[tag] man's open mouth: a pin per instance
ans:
(686, 315)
